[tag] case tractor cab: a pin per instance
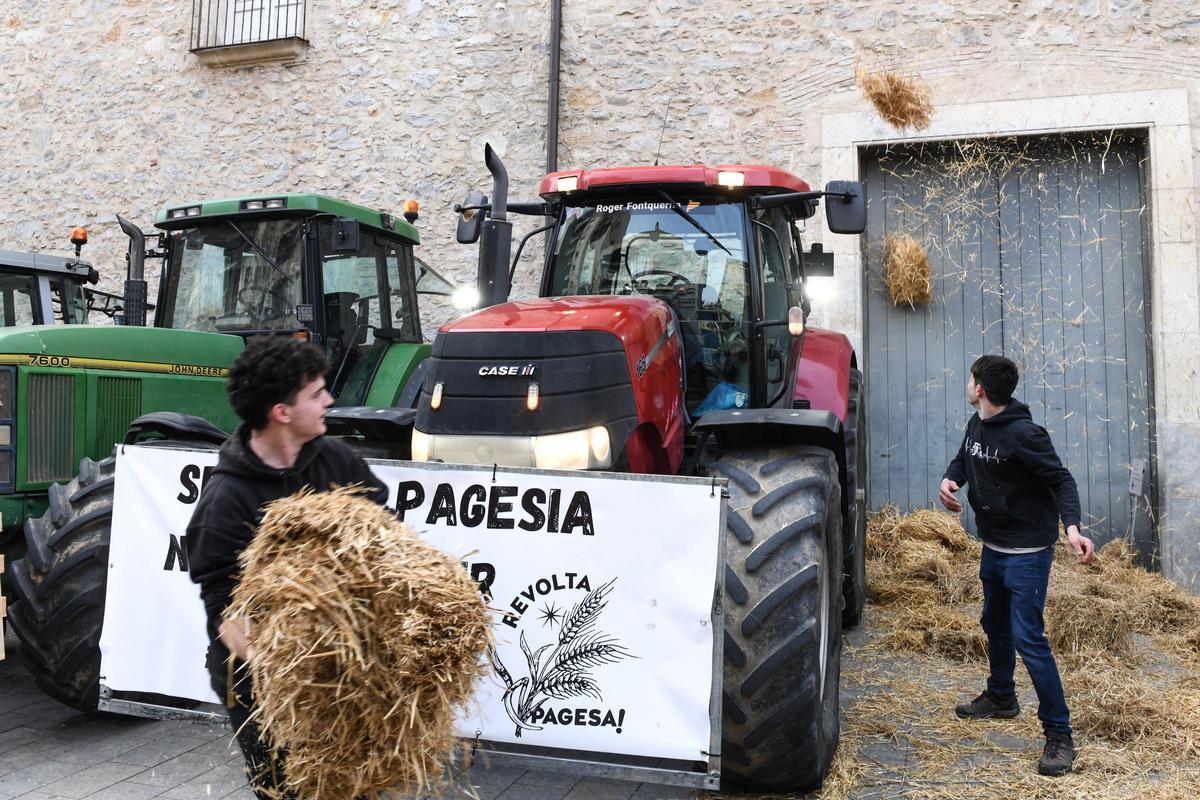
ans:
(669, 337)
(339, 274)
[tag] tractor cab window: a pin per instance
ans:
(235, 277)
(698, 267)
(19, 300)
(368, 300)
(437, 295)
(66, 297)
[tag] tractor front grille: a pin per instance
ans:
(118, 403)
(50, 422)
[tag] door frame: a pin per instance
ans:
(1170, 255)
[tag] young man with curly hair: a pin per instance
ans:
(277, 387)
(1018, 489)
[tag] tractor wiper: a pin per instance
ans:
(681, 211)
(256, 247)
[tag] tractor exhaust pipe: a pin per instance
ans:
(495, 244)
(134, 306)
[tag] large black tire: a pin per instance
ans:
(854, 568)
(783, 612)
(59, 586)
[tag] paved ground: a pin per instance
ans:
(49, 751)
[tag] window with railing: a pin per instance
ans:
(234, 23)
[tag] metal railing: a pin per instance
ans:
(224, 23)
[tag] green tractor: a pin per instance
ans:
(341, 275)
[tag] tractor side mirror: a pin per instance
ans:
(344, 235)
(470, 218)
(845, 207)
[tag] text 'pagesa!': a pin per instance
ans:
(500, 507)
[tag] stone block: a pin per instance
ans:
(1180, 535)
(1172, 163)
(1179, 459)
(1177, 288)
(1173, 214)
(1178, 381)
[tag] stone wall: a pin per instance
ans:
(104, 110)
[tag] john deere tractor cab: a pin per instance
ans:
(670, 337)
(338, 273)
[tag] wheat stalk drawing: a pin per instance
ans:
(565, 670)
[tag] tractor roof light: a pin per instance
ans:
(731, 179)
(179, 213)
(275, 202)
(412, 210)
(567, 183)
(252, 205)
(79, 236)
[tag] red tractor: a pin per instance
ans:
(669, 338)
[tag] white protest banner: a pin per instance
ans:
(154, 637)
(603, 585)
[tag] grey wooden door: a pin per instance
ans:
(1037, 249)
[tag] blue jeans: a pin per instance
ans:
(1014, 597)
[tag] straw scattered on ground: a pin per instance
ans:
(904, 102)
(1127, 642)
(367, 642)
(906, 271)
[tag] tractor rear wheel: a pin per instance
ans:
(854, 569)
(59, 586)
(783, 615)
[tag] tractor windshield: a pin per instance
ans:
(649, 248)
(241, 278)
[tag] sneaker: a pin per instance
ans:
(986, 706)
(1058, 756)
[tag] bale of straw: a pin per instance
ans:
(367, 642)
(906, 270)
(1095, 624)
(937, 630)
(1117, 703)
(903, 102)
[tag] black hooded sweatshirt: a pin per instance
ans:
(231, 507)
(1017, 485)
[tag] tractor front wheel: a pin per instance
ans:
(59, 586)
(783, 617)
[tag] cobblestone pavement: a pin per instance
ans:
(49, 751)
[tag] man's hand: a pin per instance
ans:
(233, 636)
(1085, 551)
(947, 497)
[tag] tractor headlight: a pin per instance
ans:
(585, 449)
(420, 446)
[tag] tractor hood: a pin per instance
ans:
(117, 347)
(628, 318)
